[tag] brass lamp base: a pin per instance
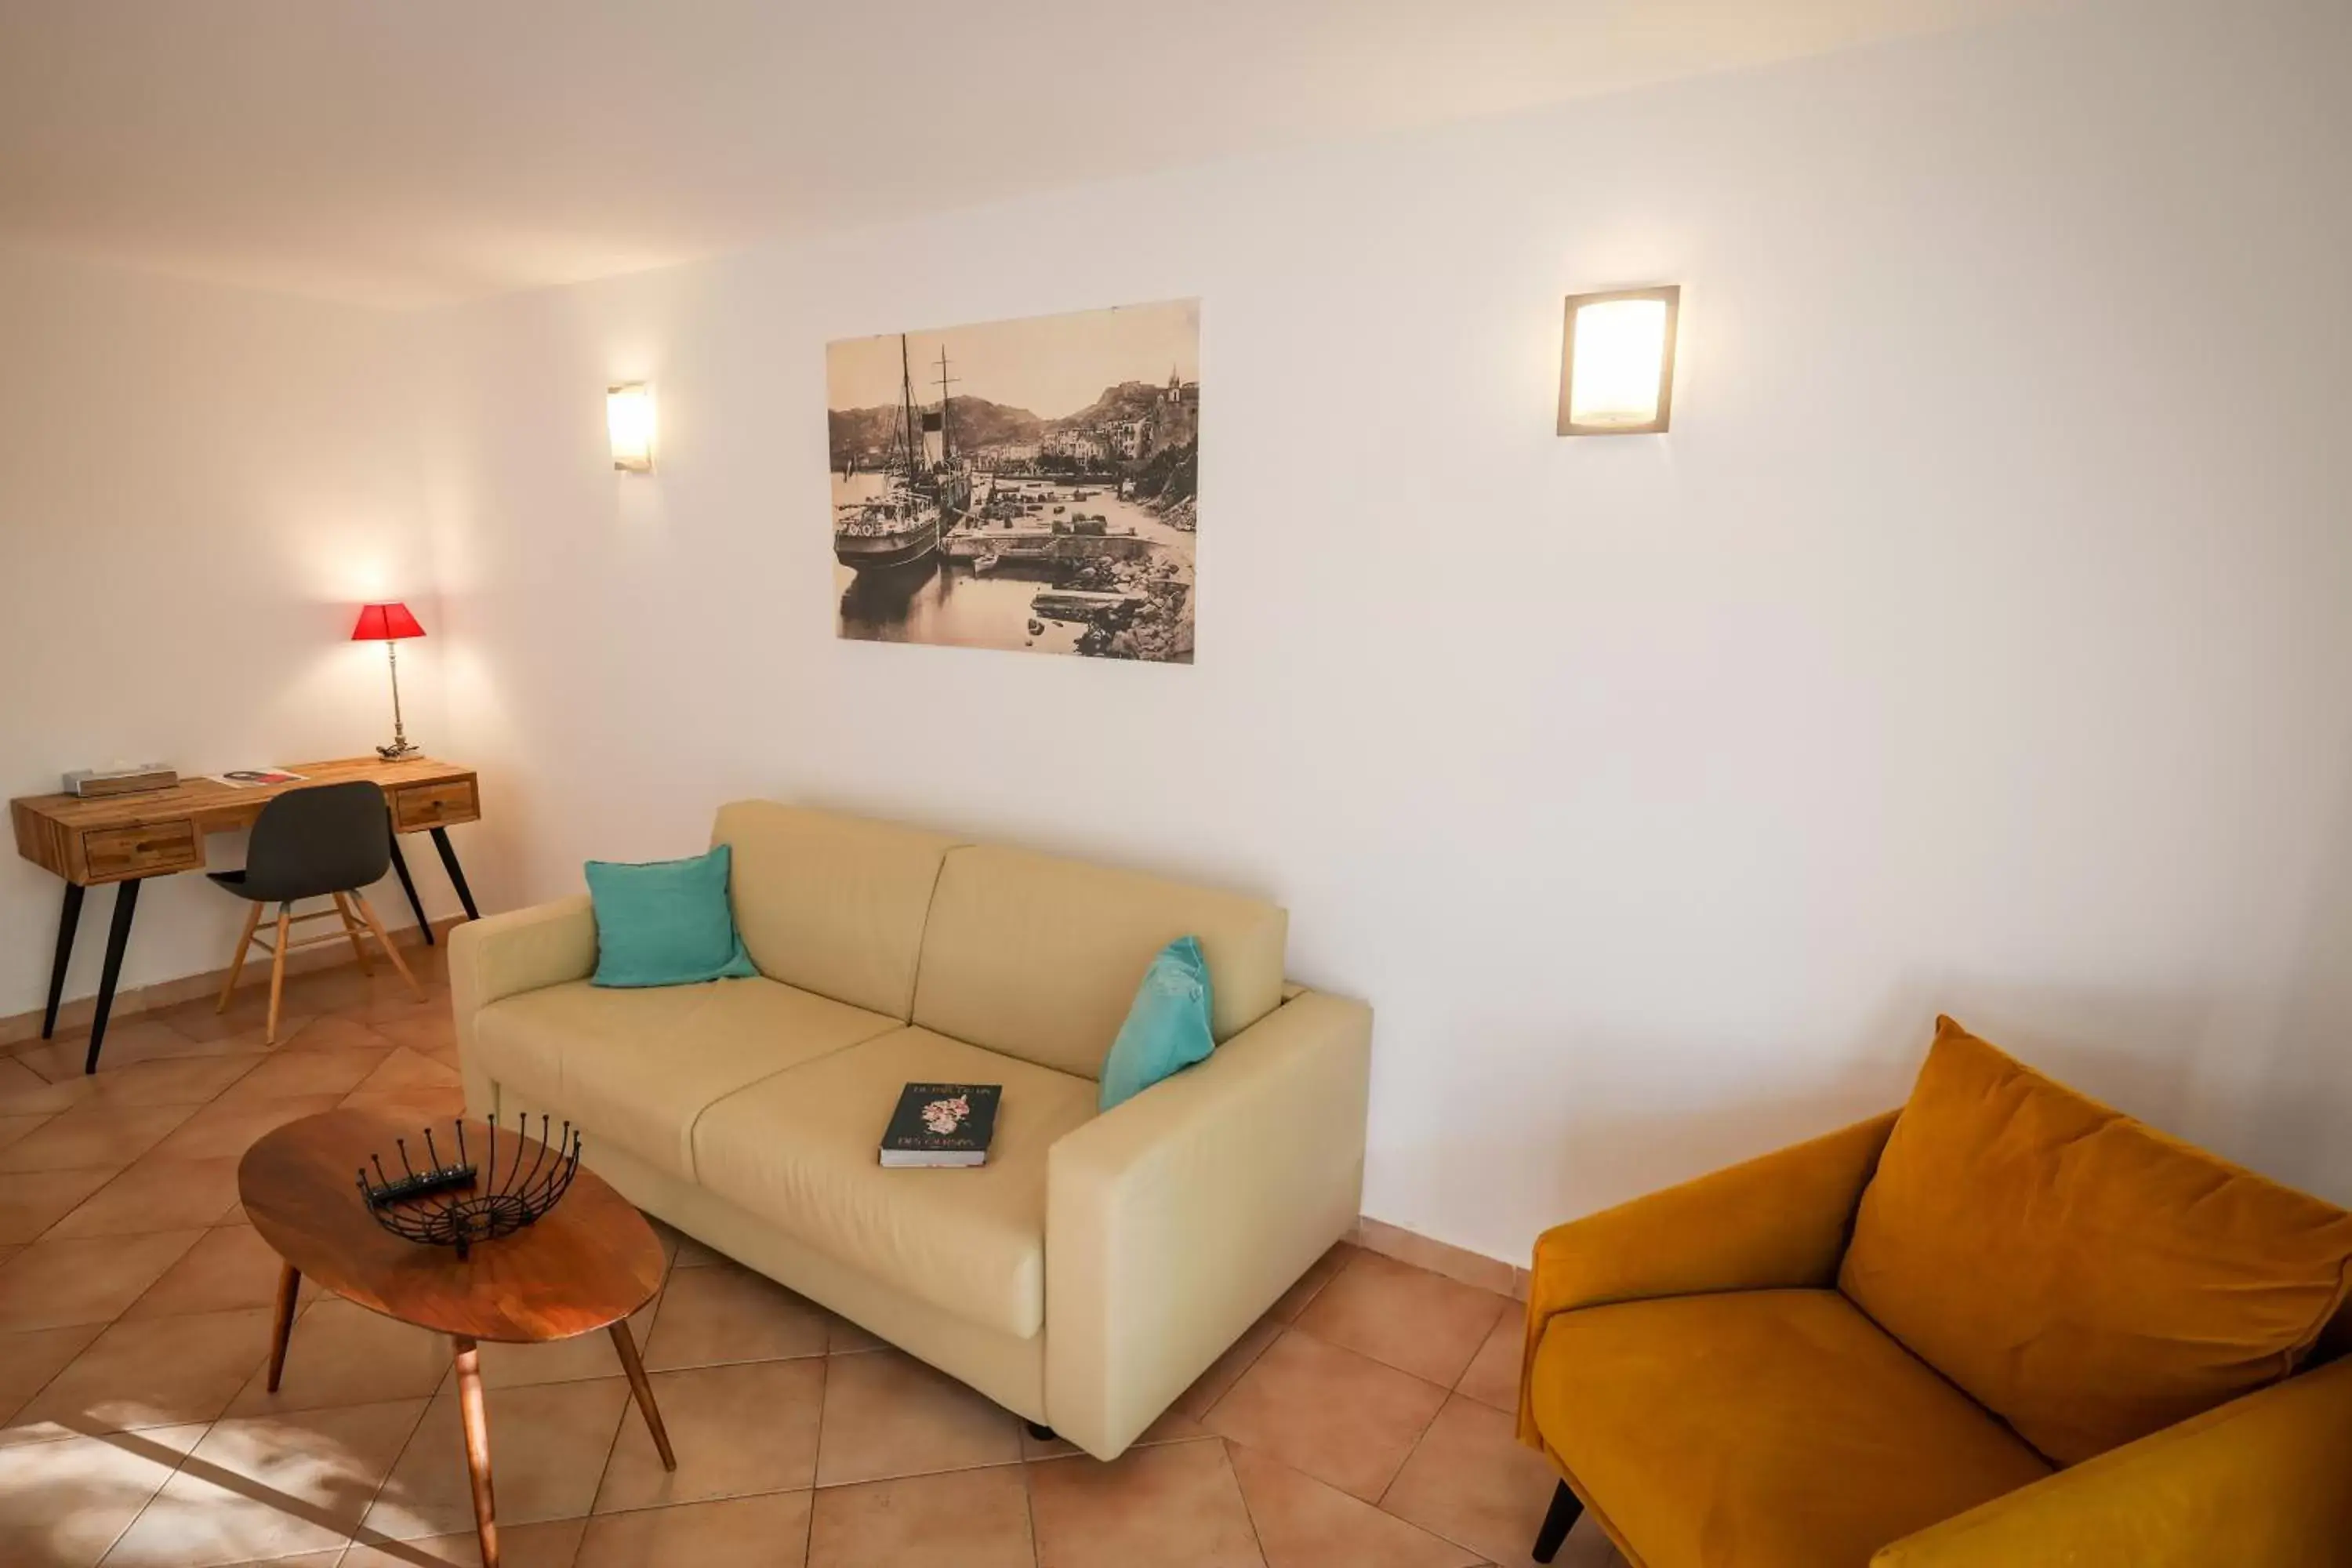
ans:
(400, 747)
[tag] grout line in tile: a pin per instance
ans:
(942, 1471)
(1028, 1507)
(1256, 1540)
(352, 1542)
(1202, 1419)
(816, 1457)
(1320, 1286)
(179, 1464)
(816, 1448)
(1381, 1501)
(29, 1399)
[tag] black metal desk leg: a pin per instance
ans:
(456, 873)
(118, 937)
(408, 883)
(68, 923)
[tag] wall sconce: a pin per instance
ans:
(1617, 361)
(629, 420)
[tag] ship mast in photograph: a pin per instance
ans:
(901, 526)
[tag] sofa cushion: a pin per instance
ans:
(798, 1149)
(637, 1066)
(1039, 958)
(2082, 1276)
(665, 923)
(832, 904)
(1761, 1429)
(1167, 1026)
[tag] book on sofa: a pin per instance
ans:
(941, 1124)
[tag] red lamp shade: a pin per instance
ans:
(385, 623)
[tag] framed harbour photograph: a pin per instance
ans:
(1028, 485)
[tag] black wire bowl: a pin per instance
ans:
(456, 1202)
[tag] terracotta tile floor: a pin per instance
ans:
(1363, 1421)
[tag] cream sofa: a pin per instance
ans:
(1099, 1263)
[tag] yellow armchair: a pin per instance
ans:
(2258, 1482)
(1707, 1390)
(1776, 1222)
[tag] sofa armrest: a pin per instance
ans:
(1174, 1220)
(506, 954)
(2255, 1483)
(1777, 1221)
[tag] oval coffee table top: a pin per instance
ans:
(588, 1262)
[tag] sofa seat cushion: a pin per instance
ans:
(2086, 1278)
(1762, 1429)
(798, 1149)
(636, 1068)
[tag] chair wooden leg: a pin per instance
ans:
(277, 974)
(236, 964)
(1565, 1507)
(384, 941)
(351, 929)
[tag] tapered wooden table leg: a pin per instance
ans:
(644, 1390)
(478, 1446)
(290, 1288)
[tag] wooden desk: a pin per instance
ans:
(126, 838)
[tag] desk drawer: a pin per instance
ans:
(115, 854)
(435, 804)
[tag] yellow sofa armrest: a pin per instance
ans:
(1777, 1221)
(2255, 1483)
(505, 956)
(1175, 1219)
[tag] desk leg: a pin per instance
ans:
(408, 883)
(477, 1423)
(68, 923)
(118, 937)
(456, 873)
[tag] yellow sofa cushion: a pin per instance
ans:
(1039, 958)
(1761, 1429)
(830, 903)
(636, 1068)
(798, 1150)
(2082, 1276)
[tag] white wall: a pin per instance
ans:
(1975, 642)
(198, 486)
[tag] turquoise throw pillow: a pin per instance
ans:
(1167, 1029)
(665, 923)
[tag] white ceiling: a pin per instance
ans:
(410, 152)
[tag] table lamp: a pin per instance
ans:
(388, 624)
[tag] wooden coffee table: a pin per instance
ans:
(587, 1264)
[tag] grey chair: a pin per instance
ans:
(325, 842)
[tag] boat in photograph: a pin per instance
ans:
(901, 529)
(901, 526)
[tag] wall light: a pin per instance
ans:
(629, 419)
(1617, 361)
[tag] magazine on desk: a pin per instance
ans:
(255, 778)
